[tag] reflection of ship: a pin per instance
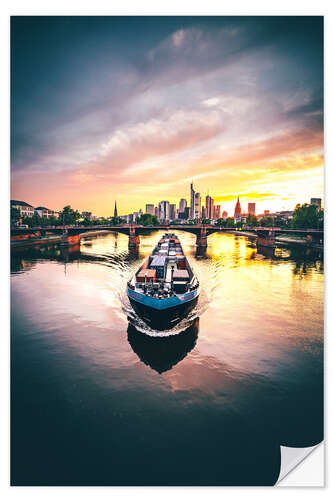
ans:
(164, 289)
(162, 353)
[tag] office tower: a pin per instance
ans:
(192, 198)
(150, 209)
(197, 206)
(251, 209)
(204, 212)
(217, 212)
(182, 205)
(209, 207)
(164, 210)
(172, 211)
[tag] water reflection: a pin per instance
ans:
(163, 353)
(97, 401)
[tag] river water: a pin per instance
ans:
(98, 399)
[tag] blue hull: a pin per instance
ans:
(162, 314)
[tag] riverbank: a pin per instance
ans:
(35, 241)
(284, 239)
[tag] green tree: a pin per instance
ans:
(280, 221)
(307, 217)
(15, 215)
(68, 216)
(147, 220)
(267, 222)
(252, 221)
(230, 222)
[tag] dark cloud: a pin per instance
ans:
(75, 79)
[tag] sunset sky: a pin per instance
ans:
(133, 109)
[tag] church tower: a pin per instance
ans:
(115, 210)
(238, 210)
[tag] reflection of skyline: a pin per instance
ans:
(250, 381)
(239, 248)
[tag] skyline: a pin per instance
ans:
(133, 109)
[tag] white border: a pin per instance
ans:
(142, 7)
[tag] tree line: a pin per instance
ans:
(304, 217)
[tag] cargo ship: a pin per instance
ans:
(164, 289)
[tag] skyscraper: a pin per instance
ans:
(192, 196)
(209, 207)
(217, 212)
(164, 210)
(172, 211)
(238, 210)
(150, 209)
(182, 205)
(251, 209)
(197, 206)
(115, 213)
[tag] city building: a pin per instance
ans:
(25, 209)
(204, 213)
(197, 206)
(44, 212)
(115, 213)
(251, 209)
(182, 205)
(156, 212)
(217, 212)
(192, 196)
(224, 215)
(164, 210)
(172, 211)
(316, 202)
(209, 207)
(150, 209)
(266, 212)
(238, 211)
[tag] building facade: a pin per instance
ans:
(172, 211)
(25, 209)
(182, 205)
(150, 209)
(316, 202)
(192, 202)
(217, 212)
(197, 206)
(44, 212)
(209, 207)
(164, 210)
(251, 209)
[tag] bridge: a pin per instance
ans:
(71, 235)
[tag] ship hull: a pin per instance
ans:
(158, 314)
